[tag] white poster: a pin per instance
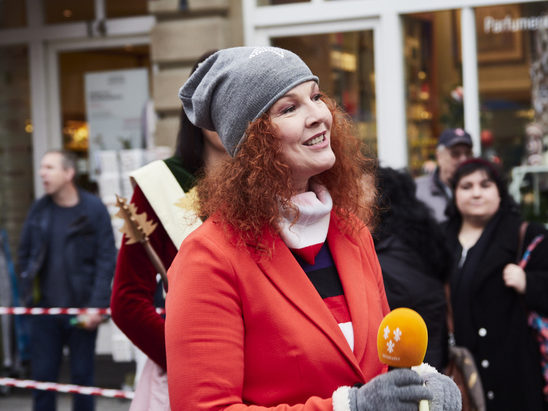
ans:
(115, 101)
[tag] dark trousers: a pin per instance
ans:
(49, 334)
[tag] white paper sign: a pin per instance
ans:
(115, 101)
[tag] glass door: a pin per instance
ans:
(345, 64)
(74, 67)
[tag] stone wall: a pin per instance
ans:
(16, 168)
(186, 29)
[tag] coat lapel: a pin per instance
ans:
(350, 265)
(504, 248)
(289, 278)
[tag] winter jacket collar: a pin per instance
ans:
(437, 188)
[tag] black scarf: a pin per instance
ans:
(462, 277)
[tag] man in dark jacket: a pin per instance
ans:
(66, 259)
(454, 147)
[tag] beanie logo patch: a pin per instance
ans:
(260, 50)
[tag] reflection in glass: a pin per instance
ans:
(72, 69)
(510, 77)
(512, 45)
(344, 62)
(433, 84)
(12, 14)
(63, 11)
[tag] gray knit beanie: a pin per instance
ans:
(237, 85)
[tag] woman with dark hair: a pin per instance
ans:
(413, 257)
(196, 145)
(275, 301)
(158, 189)
(491, 295)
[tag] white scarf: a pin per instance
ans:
(307, 235)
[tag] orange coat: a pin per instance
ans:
(241, 332)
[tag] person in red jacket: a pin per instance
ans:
(158, 190)
(275, 300)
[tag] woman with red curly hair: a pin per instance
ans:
(275, 301)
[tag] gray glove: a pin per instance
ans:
(446, 393)
(399, 390)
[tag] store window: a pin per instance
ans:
(73, 68)
(124, 8)
(16, 170)
(344, 62)
(64, 11)
(12, 14)
(274, 2)
(512, 44)
(433, 83)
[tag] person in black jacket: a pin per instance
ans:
(490, 294)
(413, 257)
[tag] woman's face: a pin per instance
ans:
(477, 197)
(304, 124)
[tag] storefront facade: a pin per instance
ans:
(403, 70)
(66, 66)
(418, 60)
(406, 70)
(45, 49)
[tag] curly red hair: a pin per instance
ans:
(250, 192)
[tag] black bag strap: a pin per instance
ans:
(449, 315)
(521, 240)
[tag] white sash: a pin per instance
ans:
(163, 191)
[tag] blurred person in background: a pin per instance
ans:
(66, 259)
(454, 147)
(491, 295)
(159, 189)
(414, 260)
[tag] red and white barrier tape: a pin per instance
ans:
(58, 311)
(66, 388)
(52, 311)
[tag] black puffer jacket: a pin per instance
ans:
(494, 326)
(408, 284)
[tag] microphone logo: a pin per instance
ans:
(390, 344)
(402, 338)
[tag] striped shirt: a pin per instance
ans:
(325, 278)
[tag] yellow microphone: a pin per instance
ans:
(402, 340)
